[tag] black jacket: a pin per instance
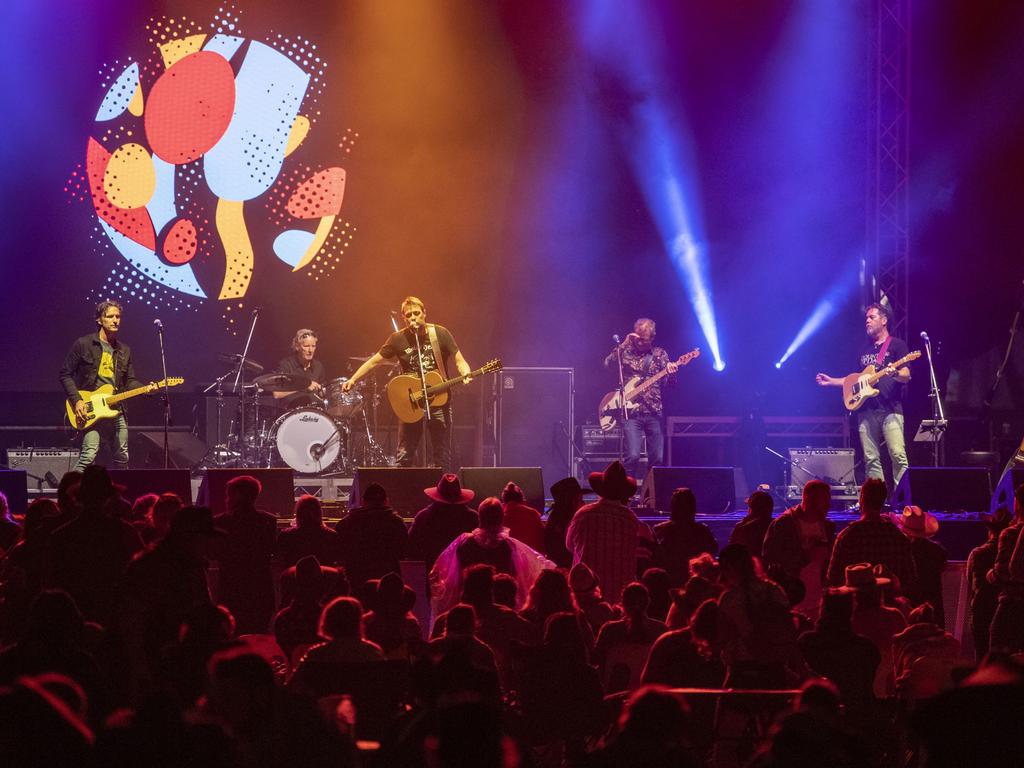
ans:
(82, 364)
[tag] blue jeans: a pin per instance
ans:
(633, 430)
(113, 434)
(875, 426)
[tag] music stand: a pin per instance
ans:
(930, 431)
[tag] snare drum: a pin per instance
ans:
(307, 440)
(341, 404)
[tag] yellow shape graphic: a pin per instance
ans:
(135, 105)
(323, 229)
(300, 128)
(174, 50)
(237, 249)
(130, 178)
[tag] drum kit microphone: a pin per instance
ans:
(313, 436)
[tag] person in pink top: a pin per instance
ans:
(522, 520)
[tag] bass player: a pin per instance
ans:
(420, 347)
(881, 417)
(641, 358)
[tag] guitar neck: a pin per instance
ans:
(885, 371)
(448, 383)
(643, 386)
(125, 395)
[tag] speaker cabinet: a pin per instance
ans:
(186, 451)
(1003, 496)
(833, 465)
(404, 486)
(718, 489)
(139, 482)
(44, 467)
(535, 420)
(488, 481)
(277, 498)
(14, 485)
(944, 488)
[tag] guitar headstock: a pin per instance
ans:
(913, 355)
(691, 355)
(491, 366)
(170, 381)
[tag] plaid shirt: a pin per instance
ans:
(873, 541)
(605, 536)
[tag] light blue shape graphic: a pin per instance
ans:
(119, 95)
(269, 90)
(161, 206)
(225, 45)
(179, 278)
(291, 244)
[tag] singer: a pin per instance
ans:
(94, 360)
(420, 347)
(881, 418)
(641, 358)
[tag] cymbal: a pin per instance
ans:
(251, 366)
(282, 382)
(363, 359)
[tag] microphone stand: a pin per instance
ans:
(990, 397)
(166, 397)
(622, 397)
(423, 383)
(240, 379)
(938, 425)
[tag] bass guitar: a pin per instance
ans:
(859, 387)
(406, 394)
(98, 402)
(609, 411)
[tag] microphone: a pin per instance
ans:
(159, 325)
(615, 338)
(256, 311)
(924, 336)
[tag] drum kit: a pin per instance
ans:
(326, 431)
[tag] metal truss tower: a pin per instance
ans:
(887, 265)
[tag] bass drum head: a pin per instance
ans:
(307, 440)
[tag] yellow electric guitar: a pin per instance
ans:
(609, 411)
(406, 393)
(858, 387)
(98, 402)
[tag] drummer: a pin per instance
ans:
(302, 363)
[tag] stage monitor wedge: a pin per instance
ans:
(949, 489)
(489, 481)
(718, 489)
(139, 482)
(404, 486)
(277, 498)
(14, 485)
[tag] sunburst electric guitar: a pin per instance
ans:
(98, 402)
(858, 387)
(609, 412)
(406, 393)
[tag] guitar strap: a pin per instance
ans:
(881, 353)
(436, 347)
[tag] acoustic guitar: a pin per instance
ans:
(609, 411)
(98, 402)
(406, 394)
(860, 387)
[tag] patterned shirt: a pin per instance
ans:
(605, 535)
(873, 541)
(644, 365)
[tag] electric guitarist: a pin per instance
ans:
(641, 358)
(420, 347)
(95, 360)
(880, 418)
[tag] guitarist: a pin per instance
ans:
(880, 418)
(439, 351)
(94, 360)
(641, 358)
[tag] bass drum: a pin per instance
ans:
(342, 404)
(307, 440)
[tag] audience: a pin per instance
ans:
(446, 516)
(567, 497)
(1007, 630)
(929, 557)
(750, 531)
(682, 538)
(982, 594)
(522, 520)
(623, 644)
(306, 536)
(372, 538)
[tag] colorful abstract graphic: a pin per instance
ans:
(187, 138)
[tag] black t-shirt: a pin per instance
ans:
(316, 372)
(891, 392)
(402, 345)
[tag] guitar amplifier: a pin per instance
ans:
(595, 442)
(833, 465)
(43, 465)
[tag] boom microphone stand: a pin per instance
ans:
(240, 379)
(938, 425)
(423, 383)
(166, 395)
(622, 395)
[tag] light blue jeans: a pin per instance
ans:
(113, 433)
(875, 426)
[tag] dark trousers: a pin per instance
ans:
(634, 430)
(439, 430)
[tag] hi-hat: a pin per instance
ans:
(251, 366)
(282, 382)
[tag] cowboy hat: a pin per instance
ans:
(861, 576)
(613, 483)
(449, 490)
(916, 522)
(567, 486)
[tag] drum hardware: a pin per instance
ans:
(232, 359)
(282, 382)
(342, 404)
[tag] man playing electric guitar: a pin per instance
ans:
(641, 358)
(880, 417)
(94, 360)
(420, 346)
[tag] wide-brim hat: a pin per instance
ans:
(613, 483)
(567, 486)
(916, 522)
(861, 576)
(582, 579)
(450, 490)
(96, 484)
